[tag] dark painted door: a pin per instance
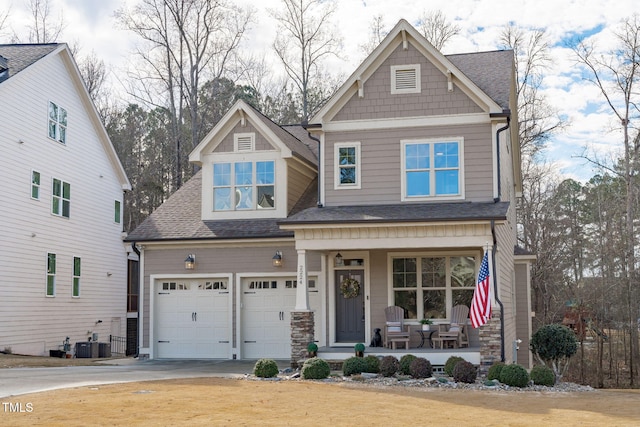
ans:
(350, 311)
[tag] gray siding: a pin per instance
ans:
(434, 98)
(297, 182)
(219, 260)
(226, 145)
(506, 281)
(381, 163)
(523, 325)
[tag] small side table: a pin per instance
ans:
(423, 337)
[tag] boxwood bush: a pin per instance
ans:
(420, 368)
(514, 375)
(465, 372)
(373, 364)
(494, 371)
(450, 364)
(542, 375)
(315, 369)
(389, 365)
(354, 365)
(265, 368)
(405, 364)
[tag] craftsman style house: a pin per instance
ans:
(62, 259)
(388, 197)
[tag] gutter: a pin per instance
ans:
(306, 127)
(507, 114)
(495, 288)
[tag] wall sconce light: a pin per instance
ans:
(339, 260)
(190, 262)
(277, 259)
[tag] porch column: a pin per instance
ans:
(490, 344)
(302, 294)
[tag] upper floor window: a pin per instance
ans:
(117, 212)
(35, 185)
(244, 185)
(429, 286)
(431, 169)
(405, 78)
(57, 123)
(76, 277)
(61, 198)
(51, 275)
(347, 168)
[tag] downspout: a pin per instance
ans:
(495, 288)
(306, 126)
(137, 251)
(502, 129)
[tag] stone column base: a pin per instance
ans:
(302, 325)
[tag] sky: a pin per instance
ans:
(91, 26)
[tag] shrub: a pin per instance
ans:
(354, 365)
(373, 364)
(514, 375)
(405, 364)
(389, 366)
(465, 372)
(543, 375)
(265, 368)
(450, 364)
(554, 345)
(494, 371)
(420, 368)
(315, 369)
(359, 349)
(312, 347)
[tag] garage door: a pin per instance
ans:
(192, 319)
(266, 319)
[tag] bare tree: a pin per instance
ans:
(435, 27)
(44, 28)
(94, 74)
(616, 74)
(185, 44)
(3, 21)
(305, 38)
(377, 33)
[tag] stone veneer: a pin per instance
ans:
(302, 324)
(490, 343)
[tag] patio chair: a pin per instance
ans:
(459, 316)
(394, 328)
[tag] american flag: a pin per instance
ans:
(481, 305)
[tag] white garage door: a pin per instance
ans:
(192, 319)
(266, 319)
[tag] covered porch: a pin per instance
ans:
(437, 357)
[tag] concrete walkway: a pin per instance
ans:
(17, 381)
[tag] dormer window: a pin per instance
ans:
(244, 142)
(244, 186)
(405, 79)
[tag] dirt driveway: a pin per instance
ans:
(233, 402)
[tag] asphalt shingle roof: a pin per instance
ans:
(20, 56)
(427, 212)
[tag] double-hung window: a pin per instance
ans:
(76, 277)
(347, 167)
(116, 209)
(35, 185)
(432, 169)
(57, 123)
(51, 275)
(244, 185)
(429, 286)
(61, 198)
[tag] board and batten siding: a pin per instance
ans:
(30, 322)
(216, 260)
(434, 98)
(227, 144)
(382, 168)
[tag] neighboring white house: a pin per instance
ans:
(63, 265)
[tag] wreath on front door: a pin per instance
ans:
(350, 288)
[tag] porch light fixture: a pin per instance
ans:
(339, 260)
(190, 262)
(277, 259)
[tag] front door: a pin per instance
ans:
(350, 309)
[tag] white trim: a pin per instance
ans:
(431, 169)
(412, 87)
(336, 167)
(323, 176)
(494, 159)
(407, 122)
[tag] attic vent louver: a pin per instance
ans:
(405, 79)
(244, 141)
